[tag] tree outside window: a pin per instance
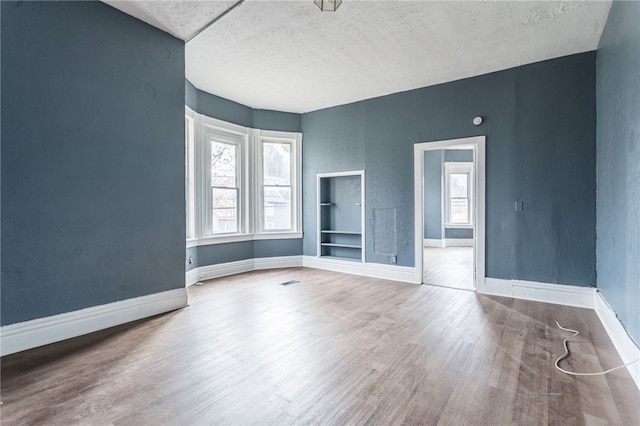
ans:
(224, 187)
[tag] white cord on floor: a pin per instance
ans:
(566, 354)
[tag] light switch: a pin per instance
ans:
(519, 206)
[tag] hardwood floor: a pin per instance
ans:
(331, 349)
(448, 267)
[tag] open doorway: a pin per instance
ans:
(449, 200)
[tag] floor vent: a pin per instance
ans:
(289, 282)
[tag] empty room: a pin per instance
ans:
(320, 212)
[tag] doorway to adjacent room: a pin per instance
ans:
(449, 200)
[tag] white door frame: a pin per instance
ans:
(478, 144)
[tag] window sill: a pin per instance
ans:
(222, 239)
(458, 226)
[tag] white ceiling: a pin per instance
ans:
(289, 56)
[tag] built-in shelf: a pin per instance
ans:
(350, 259)
(327, 231)
(351, 246)
(338, 235)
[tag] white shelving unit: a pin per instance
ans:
(341, 215)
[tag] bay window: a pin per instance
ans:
(246, 182)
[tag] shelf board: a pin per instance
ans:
(350, 259)
(329, 231)
(351, 246)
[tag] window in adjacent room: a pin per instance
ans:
(459, 194)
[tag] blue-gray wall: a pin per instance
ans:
(458, 233)
(192, 252)
(233, 112)
(231, 252)
(540, 129)
(433, 161)
(275, 120)
(190, 95)
(618, 168)
(223, 109)
(92, 158)
(458, 155)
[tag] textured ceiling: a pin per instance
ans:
(289, 56)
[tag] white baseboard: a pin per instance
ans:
(432, 242)
(582, 297)
(570, 295)
(277, 262)
(42, 331)
(375, 270)
(458, 242)
(626, 348)
(210, 272)
(191, 277)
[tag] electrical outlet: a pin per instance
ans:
(394, 259)
(190, 260)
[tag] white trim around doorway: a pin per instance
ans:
(478, 145)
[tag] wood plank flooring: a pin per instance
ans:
(449, 267)
(333, 349)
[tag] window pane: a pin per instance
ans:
(225, 210)
(223, 164)
(459, 183)
(276, 159)
(459, 210)
(277, 208)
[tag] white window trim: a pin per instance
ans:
(458, 167)
(190, 207)
(250, 201)
(295, 141)
(240, 182)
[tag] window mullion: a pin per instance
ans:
(239, 188)
(207, 194)
(189, 175)
(292, 183)
(201, 182)
(253, 190)
(297, 158)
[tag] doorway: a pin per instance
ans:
(449, 182)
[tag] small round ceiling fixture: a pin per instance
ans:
(477, 120)
(328, 5)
